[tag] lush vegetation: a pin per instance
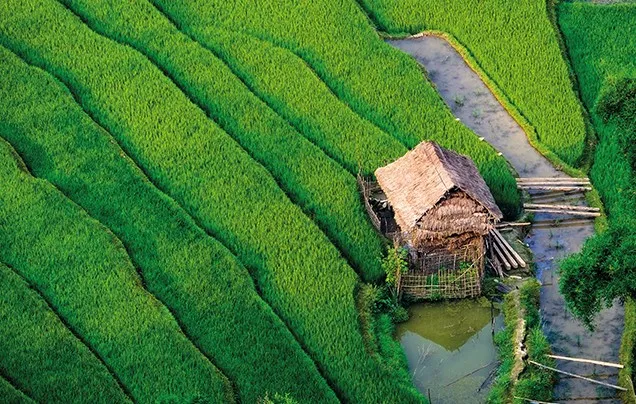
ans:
(45, 360)
(206, 288)
(601, 44)
(529, 70)
(378, 82)
(534, 382)
(604, 58)
(324, 190)
(11, 395)
(71, 259)
(299, 272)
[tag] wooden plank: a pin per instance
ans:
(504, 249)
(553, 188)
(533, 401)
(559, 183)
(512, 250)
(595, 362)
(579, 376)
(560, 207)
(565, 212)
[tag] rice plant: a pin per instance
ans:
(83, 271)
(202, 283)
(299, 272)
(43, 358)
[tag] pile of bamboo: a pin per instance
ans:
(563, 184)
(503, 252)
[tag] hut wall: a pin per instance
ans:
(444, 273)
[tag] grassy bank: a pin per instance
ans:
(516, 45)
(600, 41)
(533, 382)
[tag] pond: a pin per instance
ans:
(450, 349)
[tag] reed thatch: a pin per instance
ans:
(437, 193)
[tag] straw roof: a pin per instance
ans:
(425, 188)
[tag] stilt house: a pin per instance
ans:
(443, 212)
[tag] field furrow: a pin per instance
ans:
(306, 102)
(42, 356)
(207, 289)
(326, 192)
(83, 271)
(299, 272)
(11, 395)
(380, 83)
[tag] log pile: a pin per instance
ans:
(503, 252)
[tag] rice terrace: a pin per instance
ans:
(317, 201)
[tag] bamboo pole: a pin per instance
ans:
(553, 187)
(512, 250)
(504, 249)
(595, 362)
(512, 224)
(533, 401)
(579, 376)
(566, 212)
(560, 207)
(554, 179)
(501, 257)
(553, 184)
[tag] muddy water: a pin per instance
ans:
(450, 349)
(473, 103)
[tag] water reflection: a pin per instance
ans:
(450, 349)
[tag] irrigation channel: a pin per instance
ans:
(551, 238)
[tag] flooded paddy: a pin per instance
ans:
(551, 238)
(450, 349)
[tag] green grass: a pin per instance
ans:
(378, 82)
(83, 271)
(207, 289)
(534, 382)
(515, 43)
(299, 272)
(44, 359)
(325, 191)
(12, 396)
(601, 45)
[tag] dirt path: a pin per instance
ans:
(473, 103)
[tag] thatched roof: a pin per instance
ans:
(430, 176)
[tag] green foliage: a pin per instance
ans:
(83, 271)
(32, 335)
(12, 396)
(604, 60)
(205, 287)
(381, 84)
(298, 271)
(395, 262)
(534, 382)
(324, 190)
(517, 46)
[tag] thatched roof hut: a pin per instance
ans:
(438, 194)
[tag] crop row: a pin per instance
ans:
(299, 272)
(315, 182)
(12, 395)
(42, 356)
(516, 44)
(206, 287)
(84, 272)
(378, 82)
